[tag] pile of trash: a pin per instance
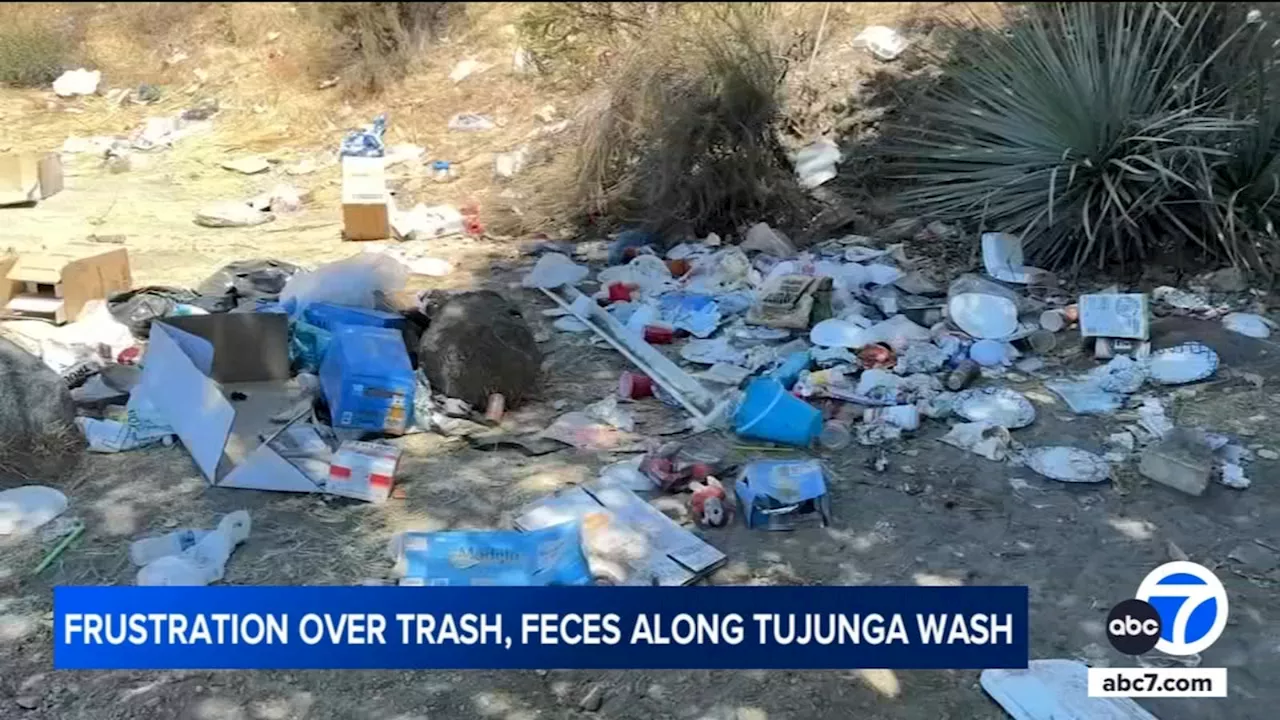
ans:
(853, 342)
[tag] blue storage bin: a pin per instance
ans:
(367, 379)
(328, 316)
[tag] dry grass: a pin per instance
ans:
(377, 43)
(35, 47)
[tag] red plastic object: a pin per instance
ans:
(619, 292)
(633, 386)
(129, 355)
(658, 335)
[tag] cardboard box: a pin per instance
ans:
(363, 470)
(29, 177)
(1111, 315)
(218, 380)
(55, 284)
(366, 204)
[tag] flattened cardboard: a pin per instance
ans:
(1112, 315)
(229, 439)
(677, 556)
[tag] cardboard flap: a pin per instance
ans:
(246, 347)
(192, 403)
(44, 268)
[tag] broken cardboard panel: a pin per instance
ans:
(56, 284)
(29, 177)
(1111, 315)
(779, 494)
(226, 426)
(626, 539)
(787, 303)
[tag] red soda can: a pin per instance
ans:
(658, 335)
(633, 386)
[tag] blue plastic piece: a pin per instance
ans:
(550, 556)
(327, 316)
(367, 379)
(769, 412)
(789, 373)
(777, 494)
(366, 142)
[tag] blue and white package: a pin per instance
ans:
(550, 556)
(778, 494)
(366, 142)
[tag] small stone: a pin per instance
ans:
(1175, 552)
(594, 698)
(1267, 454)
(1228, 280)
(1256, 559)
(27, 702)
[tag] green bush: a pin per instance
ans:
(32, 55)
(1101, 133)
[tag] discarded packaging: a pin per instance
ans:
(363, 470)
(1068, 464)
(367, 379)
(1086, 397)
(56, 285)
(366, 204)
(204, 562)
(627, 540)
(553, 270)
(470, 122)
(816, 163)
(537, 557)
(1180, 461)
(781, 494)
(998, 406)
(1055, 690)
(1115, 316)
(883, 42)
(765, 239)
(29, 177)
(251, 165)
(905, 417)
(425, 223)
(982, 315)
(1002, 258)
(26, 508)
(1254, 326)
(357, 281)
(981, 438)
(77, 82)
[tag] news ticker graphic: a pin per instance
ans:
(260, 627)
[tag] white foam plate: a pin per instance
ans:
(1068, 464)
(1180, 364)
(984, 316)
(998, 406)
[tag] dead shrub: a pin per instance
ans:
(34, 53)
(568, 36)
(377, 42)
(684, 137)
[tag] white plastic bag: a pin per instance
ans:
(354, 281)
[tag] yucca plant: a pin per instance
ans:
(1086, 128)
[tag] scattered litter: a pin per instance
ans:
(251, 165)
(363, 470)
(1254, 326)
(1002, 258)
(983, 315)
(553, 270)
(627, 540)
(1152, 418)
(538, 556)
(769, 412)
(1180, 299)
(471, 122)
(230, 213)
(1186, 363)
(77, 82)
(765, 239)
(1085, 397)
(357, 281)
(837, 333)
(425, 223)
(1068, 464)
(1180, 461)
(883, 42)
(981, 438)
(24, 509)
(185, 558)
(367, 141)
(781, 494)
(990, 353)
(509, 164)
(1112, 315)
(725, 374)
(403, 153)
(1233, 477)
(816, 162)
(998, 406)
(1055, 690)
(609, 412)
(905, 417)
(466, 68)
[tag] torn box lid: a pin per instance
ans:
(777, 494)
(219, 380)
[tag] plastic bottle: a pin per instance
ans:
(147, 550)
(202, 563)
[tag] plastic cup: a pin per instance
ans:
(619, 293)
(769, 412)
(658, 335)
(633, 386)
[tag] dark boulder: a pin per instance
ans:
(477, 344)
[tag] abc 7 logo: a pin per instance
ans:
(1133, 627)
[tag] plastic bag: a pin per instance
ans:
(355, 282)
(246, 281)
(366, 142)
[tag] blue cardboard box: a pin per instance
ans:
(328, 316)
(780, 494)
(550, 556)
(367, 380)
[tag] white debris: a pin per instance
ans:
(553, 270)
(981, 438)
(230, 213)
(883, 42)
(1233, 477)
(1249, 324)
(77, 82)
(251, 165)
(466, 68)
(816, 162)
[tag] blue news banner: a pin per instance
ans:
(258, 627)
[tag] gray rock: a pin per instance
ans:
(594, 698)
(38, 434)
(1228, 280)
(477, 344)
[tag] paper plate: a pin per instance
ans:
(838, 333)
(998, 406)
(1185, 363)
(982, 315)
(1068, 464)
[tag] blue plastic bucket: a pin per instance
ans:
(769, 412)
